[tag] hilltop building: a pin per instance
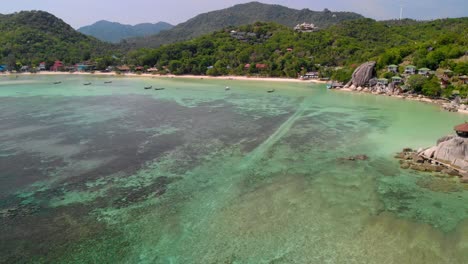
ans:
(305, 27)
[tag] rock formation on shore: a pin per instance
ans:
(452, 150)
(363, 74)
(449, 156)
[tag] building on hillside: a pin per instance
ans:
(58, 66)
(424, 71)
(463, 79)
(410, 69)
(247, 66)
(261, 66)
(392, 68)
(397, 80)
(305, 27)
(382, 81)
(444, 81)
(42, 66)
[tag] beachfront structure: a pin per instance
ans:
(24, 68)
(410, 69)
(305, 27)
(382, 81)
(58, 66)
(84, 66)
(424, 71)
(3, 68)
(462, 130)
(152, 70)
(392, 68)
(247, 66)
(42, 66)
(123, 68)
(397, 80)
(261, 66)
(310, 75)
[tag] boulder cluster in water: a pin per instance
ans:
(449, 157)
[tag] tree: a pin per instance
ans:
(431, 87)
(416, 82)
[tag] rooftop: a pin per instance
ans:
(462, 128)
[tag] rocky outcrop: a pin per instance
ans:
(453, 151)
(363, 74)
(449, 156)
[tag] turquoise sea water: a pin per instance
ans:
(113, 173)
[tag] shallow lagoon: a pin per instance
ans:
(113, 173)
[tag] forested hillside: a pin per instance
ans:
(286, 52)
(30, 37)
(237, 15)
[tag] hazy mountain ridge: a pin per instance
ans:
(115, 32)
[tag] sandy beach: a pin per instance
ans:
(238, 78)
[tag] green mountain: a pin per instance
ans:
(29, 37)
(241, 15)
(115, 32)
(283, 52)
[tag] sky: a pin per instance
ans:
(85, 12)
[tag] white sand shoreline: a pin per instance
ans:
(144, 75)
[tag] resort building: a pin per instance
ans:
(123, 68)
(305, 27)
(463, 79)
(410, 69)
(392, 68)
(261, 66)
(247, 66)
(152, 70)
(58, 66)
(24, 68)
(42, 66)
(3, 68)
(382, 81)
(84, 66)
(310, 75)
(424, 71)
(462, 130)
(397, 80)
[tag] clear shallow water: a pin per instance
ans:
(113, 173)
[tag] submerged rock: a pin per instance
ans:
(357, 157)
